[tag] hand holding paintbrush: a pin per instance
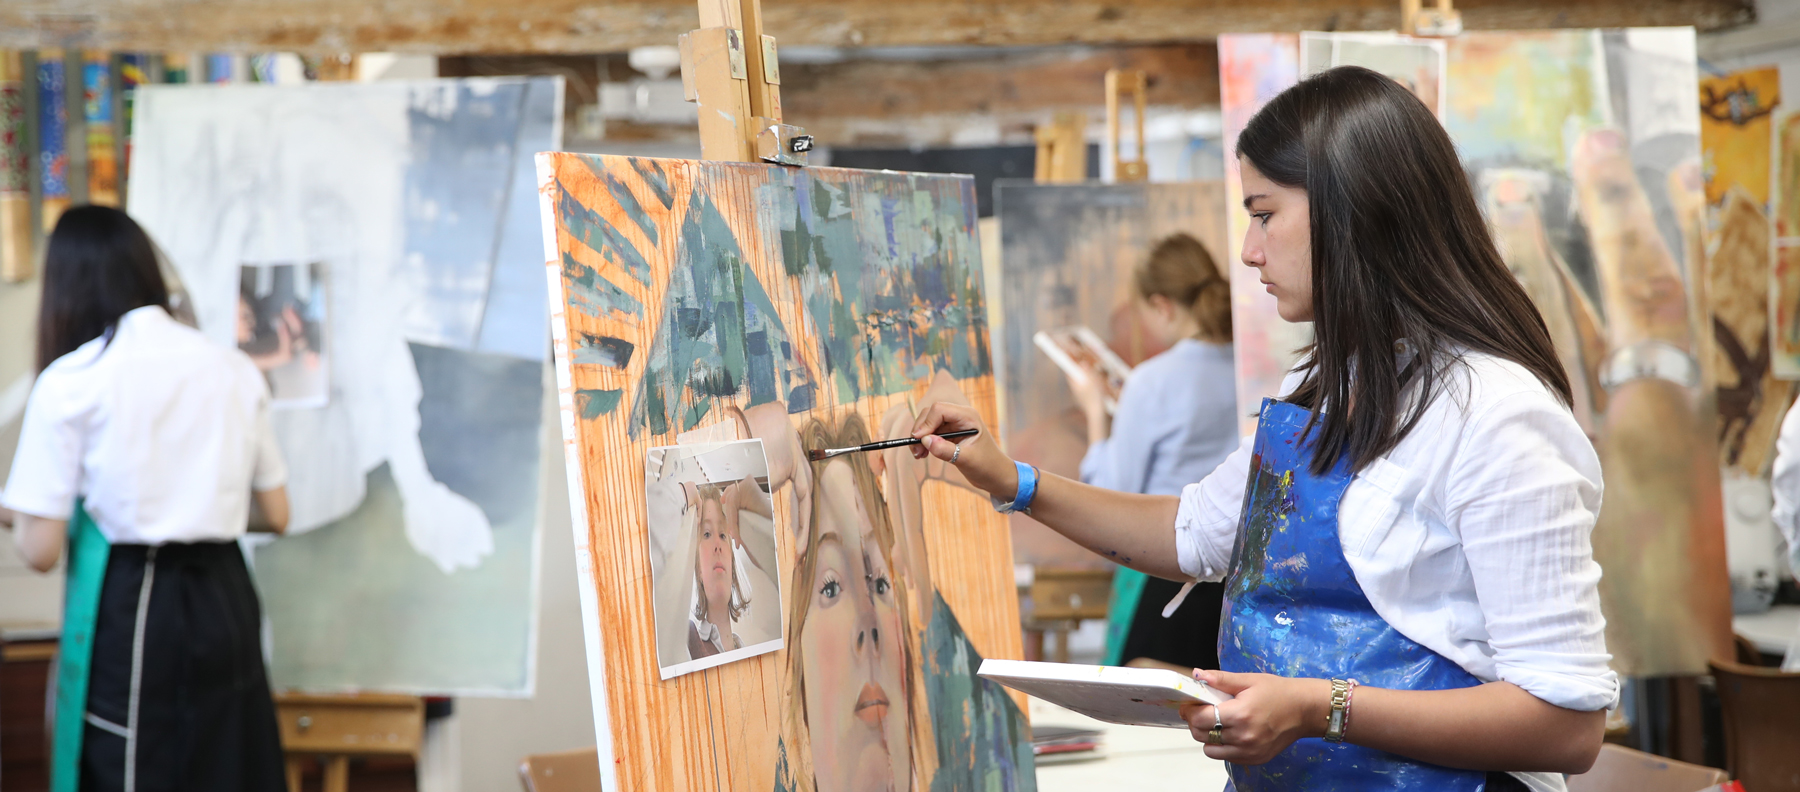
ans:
(821, 454)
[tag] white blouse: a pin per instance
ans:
(163, 431)
(1471, 537)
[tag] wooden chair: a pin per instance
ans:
(572, 771)
(1621, 769)
(1762, 725)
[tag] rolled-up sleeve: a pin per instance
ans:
(46, 469)
(1526, 492)
(1206, 522)
(1786, 483)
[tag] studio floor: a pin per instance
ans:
(1138, 758)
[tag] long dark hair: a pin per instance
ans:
(1399, 251)
(98, 266)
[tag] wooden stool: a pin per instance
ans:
(1060, 600)
(335, 728)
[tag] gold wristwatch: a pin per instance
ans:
(1334, 720)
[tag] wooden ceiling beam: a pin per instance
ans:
(577, 26)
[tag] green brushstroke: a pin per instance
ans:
(653, 175)
(983, 741)
(719, 334)
(623, 196)
(602, 350)
(595, 403)
(592, 295)
(890, 272)
(593, 230)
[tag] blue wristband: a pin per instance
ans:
(1028, 479)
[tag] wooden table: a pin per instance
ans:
(335, 728)
(1771, 631)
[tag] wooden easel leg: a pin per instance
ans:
(1062, 645)
(293, 773)
(337, 774)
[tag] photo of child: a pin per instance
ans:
(712, 548)
(281, 326)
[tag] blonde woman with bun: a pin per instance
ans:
(1176, 421)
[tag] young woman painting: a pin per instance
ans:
(1410, 593)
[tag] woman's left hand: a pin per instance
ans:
(1266, 714)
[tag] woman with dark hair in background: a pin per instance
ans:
(146, 445)
(1176, 420)
(1411, 598)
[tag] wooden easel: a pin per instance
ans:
(730, 67)
(1062, 150)
(1442, 21)
(1118, 81)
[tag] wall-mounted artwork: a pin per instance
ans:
(711, 529)
(1736, 141)
(1784, 287)
(1067, 254)
(709, 302)
(1584, 148)
(1253, 68)
(1417, 63)
(391, 228)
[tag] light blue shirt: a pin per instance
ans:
(1176, 421)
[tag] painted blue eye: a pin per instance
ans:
(882, 585)
(831, 589)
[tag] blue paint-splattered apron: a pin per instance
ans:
(1293, 608)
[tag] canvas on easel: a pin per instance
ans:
(1067, 254)
(705, 302)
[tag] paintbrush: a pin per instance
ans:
(821, 454)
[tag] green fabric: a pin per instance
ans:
(88, 552)
(1127, 590)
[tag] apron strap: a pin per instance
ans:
(88, 555)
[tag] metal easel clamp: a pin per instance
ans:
(782, 144)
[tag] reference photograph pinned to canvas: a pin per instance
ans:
(712, 554)
(281, 326)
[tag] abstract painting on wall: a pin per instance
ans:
(1736, 136)
(707, 302)
(1067, 255)
(1583, 147)
(410, 564)
(1784, 288)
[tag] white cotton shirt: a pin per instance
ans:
(1177, 420)
(1472, 537)
(162, 431)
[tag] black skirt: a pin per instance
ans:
(178, 698)
(1189, 637)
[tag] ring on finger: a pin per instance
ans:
(955, 453)
(1216, 736)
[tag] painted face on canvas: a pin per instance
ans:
(1278, 244)
(714, 563)
(851, 643)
